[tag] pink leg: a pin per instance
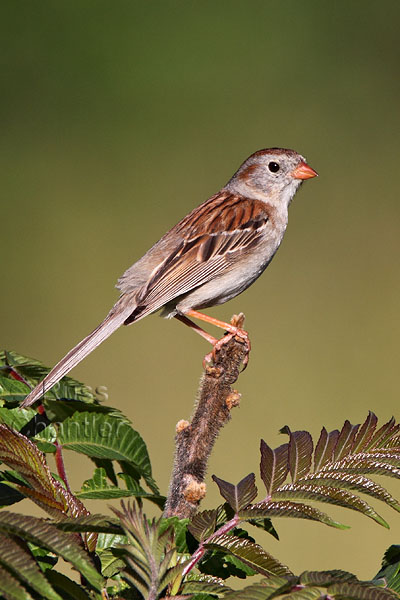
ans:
(233, 329)
(197, 329)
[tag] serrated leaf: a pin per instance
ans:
(330, 495)
(106, 437)
(383, 435)
(240, 495)
(21, 454)
(345, 440)
(12, 390)
(59, 410)
(389, 455)
(11, 588)
(325, 578)
(273, 466)
(361, 590)
(67, 587)
(98, 487)
(325, 447)
(389, 573)
(353, 481)
(8, 494)
(205, 587)
(203, 524)
(150, 556)
(250, 553)
(308, 593)
(363, 463)
(265, 524)
(300, 454)
(33, 371)
(285, 508)
(90, 523)
(265, 589)
(365, 433)
(46, 535)
(110, 564)
(19, 562)
(180, 527)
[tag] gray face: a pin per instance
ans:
(267, 174)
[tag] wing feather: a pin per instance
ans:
(213, 246)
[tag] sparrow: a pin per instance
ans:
(212, 255)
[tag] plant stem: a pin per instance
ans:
(195, 440)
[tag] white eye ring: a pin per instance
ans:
(273, 166)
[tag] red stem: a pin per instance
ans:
(228, 526)
(60, 465)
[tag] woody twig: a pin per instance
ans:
(195, 439)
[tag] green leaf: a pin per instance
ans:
(98, 488)
(17, 418)
(150, 555)
(204, 587)
(90, 523)
(110, 564)
(44, 558)
(273, 466)
(265, 524)
(34, 371)
(300, 454)
(325, 578)
(390, 570)
(12, 390)
(180, 527)
(68, 588)
(288, 509)
(240, 495)
(249, 553)
(106, 437)
(8, 494)
(11, 587)
(59, 410)
(330, 495)
(325, 447)
(307, 593)
(265, 589)
(19, 562)
(44, 534)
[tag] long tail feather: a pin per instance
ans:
(118, 314)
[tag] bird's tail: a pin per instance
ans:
(118, 314)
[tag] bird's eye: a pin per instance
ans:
(273, 167)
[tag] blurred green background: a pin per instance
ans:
(117, 118)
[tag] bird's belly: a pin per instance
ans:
(224, 287)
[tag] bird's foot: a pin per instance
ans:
(237, 332)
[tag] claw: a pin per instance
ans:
(238, 333)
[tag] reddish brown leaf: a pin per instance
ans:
(325, 447)
(300, 454)
(345, 440)
(365, 433)
(240, 495)
(387, 431)
(273, 466)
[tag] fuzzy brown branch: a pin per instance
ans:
(195, 439)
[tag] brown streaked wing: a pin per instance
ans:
(219, 233)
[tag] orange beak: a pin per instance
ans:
(303, 171)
